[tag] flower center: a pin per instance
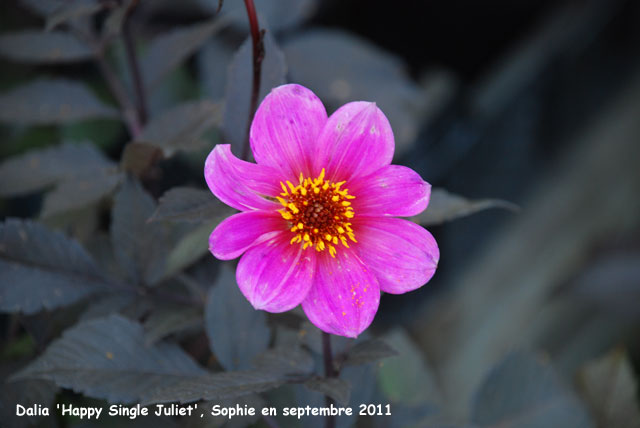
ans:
(318, 212)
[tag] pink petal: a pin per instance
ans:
(275, 275)
(239, 184)
(356, 140)
(285, 127)
(402, 254)
(241, 231)
(345, 294)
(393, 190)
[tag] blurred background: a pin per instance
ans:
(527, 113)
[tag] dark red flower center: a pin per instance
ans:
(318, 212)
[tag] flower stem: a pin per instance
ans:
(258, 55)
(134, 68)
(329, 371)
(129, 112)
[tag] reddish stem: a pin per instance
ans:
(329, 371)
(130, 49)
(257, 36)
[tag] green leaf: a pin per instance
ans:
(609, 387)
(38, 169)
(182, 127)
(106, 358)
(191, 205)
(524, 391)
(140, 246)
(168, 51)
(216, 386)
(51, 101)
(406, 378)
(42, 269)
(367, 352)
(238, 93)
(78, 193)
(237, 332)
(38, 47)
(188, 248)
(114, 22)
(336, 388)
(445, 206)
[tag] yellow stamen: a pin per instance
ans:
(318, 212)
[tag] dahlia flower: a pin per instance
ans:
(317, 223)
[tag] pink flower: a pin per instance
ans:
(317, 223)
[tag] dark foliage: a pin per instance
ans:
(109, 109)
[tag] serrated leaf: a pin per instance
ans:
(80, 192)
(336, 388)
(168, 51)
(289, 360)
(216, 386)
(37, 47)
(239, 421)
(445, 206)
(524, 391)
(26, 393)
(238, 93)
(609, 387)
(106, 358)
(42, 269)
(105, 306)
(52, 101)
(367, 352)
(140, 246)
(38, 169)
(166, 321)
(70, 12)
(237, 332)
(190, 205)
(182, 127)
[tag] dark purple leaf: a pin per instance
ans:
(52, 101)
(39, 47)
(38, 169)
(190, 205)
(237, 332)
(182, 127)
(168, 51)
(524, 391)
(42, 269)
(107, 358)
